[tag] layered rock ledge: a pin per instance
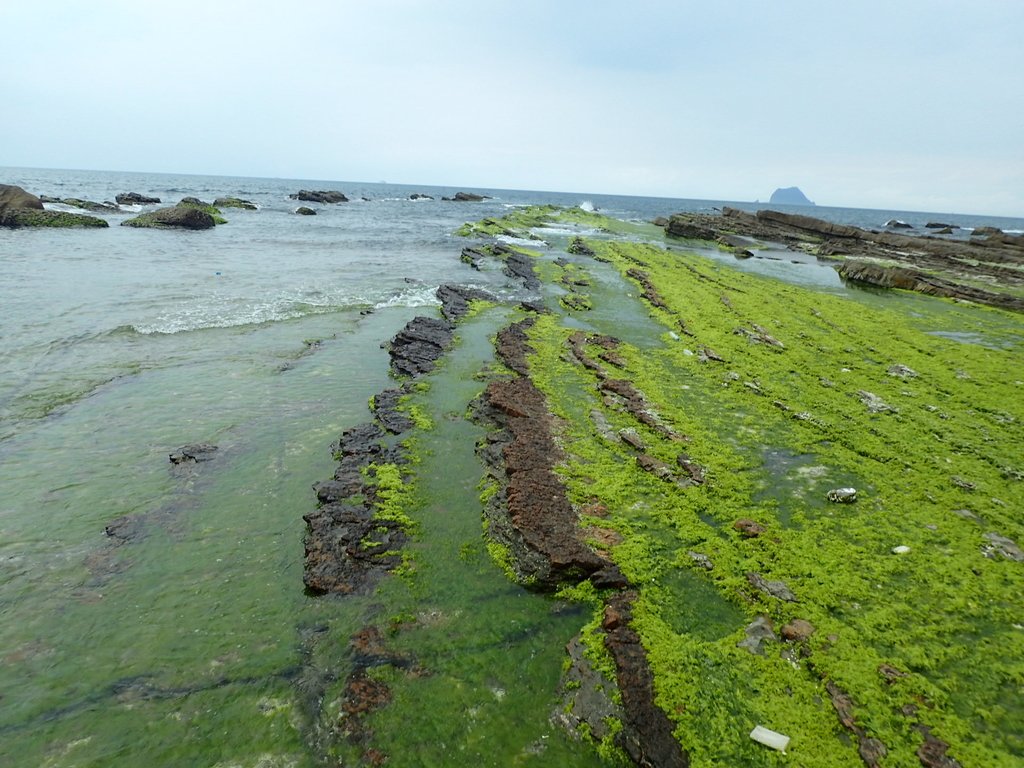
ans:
(988, 268)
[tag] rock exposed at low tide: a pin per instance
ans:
(19, 208)
(175, 217)
(319, 196)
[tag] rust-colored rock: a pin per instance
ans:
(647, 731)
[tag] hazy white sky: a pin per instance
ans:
(907, 104)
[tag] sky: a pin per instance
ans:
(897, 104)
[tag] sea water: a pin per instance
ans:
(152, 614)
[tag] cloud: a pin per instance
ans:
(881, 104)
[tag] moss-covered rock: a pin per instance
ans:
(177, 217)
(30, 217)
(199, 205)
(235, 202)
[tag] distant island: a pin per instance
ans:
(789, 196)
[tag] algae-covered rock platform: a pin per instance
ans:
(781, 517)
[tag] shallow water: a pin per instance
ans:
(193, 642)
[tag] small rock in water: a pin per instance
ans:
(194, 452)
(842, 495)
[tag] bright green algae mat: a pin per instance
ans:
(813, 392)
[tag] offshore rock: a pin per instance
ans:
(304, 211)
(19, 208)
(193, 453)
(320, 196)
(13, 197)
(466, 197)
(417, 347)
(789, 196)
(235, 202)
(134, 198)
(939, 266)
(176, 217)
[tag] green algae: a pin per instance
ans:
(776, 416)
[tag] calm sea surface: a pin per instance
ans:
(193, 643)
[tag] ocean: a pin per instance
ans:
(191, 641)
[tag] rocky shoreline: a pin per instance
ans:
(987, 268)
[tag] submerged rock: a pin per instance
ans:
(193, 453)
(304, 211)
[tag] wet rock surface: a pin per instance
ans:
(416, 349)
(647, 734)
(533, 516)
(931, 264)
(456, 300)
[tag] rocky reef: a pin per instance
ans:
(19, 208)
(986, 269)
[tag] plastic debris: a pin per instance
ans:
(843, 495)
(770, 738)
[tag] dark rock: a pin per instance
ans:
(385, 411)
(939, 225)
(466, 197)
(347, 549)
(235, 202)
(321, 196)
(898, 224)
(660, 221)
(580, 248)
(417, 347)
(586, 695)
(473, 257)
(520, 266)
(647, 734)
(89, 205)
(178, 217)
(134, 198)
(789, 196)
(304, 211)
(193, 453)
(1002, 546)
(455, 299)
(19, 208)
(944, 231)
(419, 196)
(682, 225)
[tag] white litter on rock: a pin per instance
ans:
(902, 549)
(770, 738)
